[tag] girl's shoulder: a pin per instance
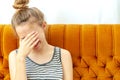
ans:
(12, 54)
(65, 53)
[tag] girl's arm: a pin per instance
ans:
(17, 67)
(67, 65)
(17, 60)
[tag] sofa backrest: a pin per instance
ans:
(95, 49)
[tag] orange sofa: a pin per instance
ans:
(95, 48)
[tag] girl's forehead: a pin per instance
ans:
(24, 30)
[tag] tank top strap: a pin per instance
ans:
(57, 49)
(16, 51)
(57, 53)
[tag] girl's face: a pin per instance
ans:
(24, 29)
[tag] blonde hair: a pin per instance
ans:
(23, 13)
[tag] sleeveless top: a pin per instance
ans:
(51, 70)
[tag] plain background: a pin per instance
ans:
(69, 11)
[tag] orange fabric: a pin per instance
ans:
(95, 49)
(1, 55)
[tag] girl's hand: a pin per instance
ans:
(28, 43)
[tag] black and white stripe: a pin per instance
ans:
(48, 71)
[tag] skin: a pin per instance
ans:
(34, 45)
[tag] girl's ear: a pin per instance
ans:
(44, 24)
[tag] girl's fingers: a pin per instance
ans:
(35, 43)
(30, 35)
(32, 40)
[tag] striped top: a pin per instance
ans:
(51, 70)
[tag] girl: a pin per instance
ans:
(35, 59)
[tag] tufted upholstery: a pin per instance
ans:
(95, 49)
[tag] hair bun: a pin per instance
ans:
(20, 4)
